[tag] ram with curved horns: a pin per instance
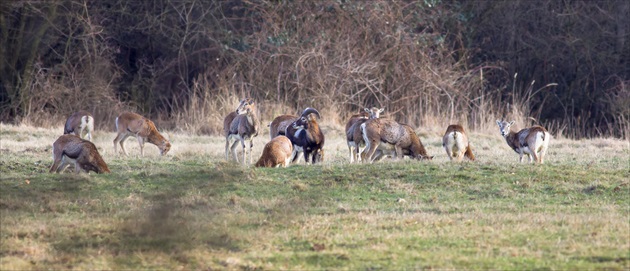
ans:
(306, 136)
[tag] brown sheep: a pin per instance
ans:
(132, 124)
(82, 153)
(277, 152)
(455, 143)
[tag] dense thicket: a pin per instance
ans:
(428, 62)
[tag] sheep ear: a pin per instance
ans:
(499, 122)
(366, 109)
(511, 123)
(381, 110)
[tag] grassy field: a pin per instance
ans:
(193, 210)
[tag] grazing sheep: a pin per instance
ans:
(82, 153)
(386, 135)
(132, 124)
(277, 152)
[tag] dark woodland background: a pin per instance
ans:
(185, 63)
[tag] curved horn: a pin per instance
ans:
(309, 110)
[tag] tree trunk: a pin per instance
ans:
(26, 78)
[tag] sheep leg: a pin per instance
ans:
(542, 154)
(119, 139)
(122, 142)
(297, 157)
(293, 156)
(77, 168)
(141, 143)
(351, 151)
(533, 157)
(399, 152)
(64, 164)
(251, 145)
(369, 150)
(244, 151)
(361, 154)
(460, 155)
(227, 146)
(55, 165)
(297, 150)
(378, 155)
(233, 149)
(307, 155)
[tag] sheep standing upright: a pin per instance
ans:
(455, 143)
(78, 123)
(279, 125)
(241, 125)
(307, 137)
(354, 137)
(532, 141)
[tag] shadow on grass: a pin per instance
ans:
(168, 209)
(167, 221)
(603, 259)
(42, 193)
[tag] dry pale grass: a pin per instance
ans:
(488, 146)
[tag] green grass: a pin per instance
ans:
(192, 210)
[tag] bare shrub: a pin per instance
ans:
(185, 63)
(205, 110)
(384, 55)
(79, 75)
(50, 99)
